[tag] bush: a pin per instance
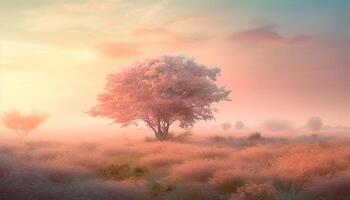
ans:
(239, 125)
(218, 138)
(121, 172)
(314, 123)
(182, 137)
(255, 136)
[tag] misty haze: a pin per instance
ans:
(174, 100)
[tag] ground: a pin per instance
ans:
(247, 167)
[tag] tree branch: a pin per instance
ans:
(148, 121)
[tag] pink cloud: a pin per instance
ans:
(170, 39)
(267, 35)
(119, 50)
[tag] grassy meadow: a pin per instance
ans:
(186, 167)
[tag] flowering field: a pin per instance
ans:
(184, 168)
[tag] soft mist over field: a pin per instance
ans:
(174, 100)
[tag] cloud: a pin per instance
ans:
(267, 35)
(169, 39)
(150, 32)
(119, 49)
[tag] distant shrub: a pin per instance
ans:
(182, 137)
(218, 138)
(255, 136)
(314, 123)
(139, 171)
(239, 125)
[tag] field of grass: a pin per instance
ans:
(185, 168)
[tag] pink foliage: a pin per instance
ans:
(21, 123)
(160, 91)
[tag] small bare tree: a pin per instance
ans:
(20, 123)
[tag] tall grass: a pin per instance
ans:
(191, 169)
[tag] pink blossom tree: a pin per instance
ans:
(161, 91)
(20, 123)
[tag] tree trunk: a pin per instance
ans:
(162, 134)
(161, 130)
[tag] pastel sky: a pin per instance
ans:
(286, 59)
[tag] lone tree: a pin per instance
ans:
(315, 123)
(161, 91)
(20, 123)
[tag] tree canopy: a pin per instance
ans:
(161, 91)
